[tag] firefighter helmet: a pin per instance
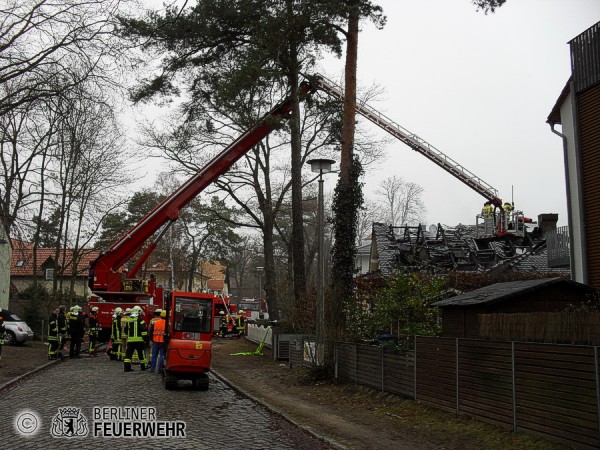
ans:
(127, 310)
(163, 313)
(118, 310)
(94, 309)
(222, 312)
(136, 308)
(241, 311)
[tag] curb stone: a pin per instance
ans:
(334, 444)
(15, 380)
(28, 374)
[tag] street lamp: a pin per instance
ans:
(320, 166)
(260, 271)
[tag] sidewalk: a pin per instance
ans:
(351, 416)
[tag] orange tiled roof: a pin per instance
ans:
(214, 271)
(22, 258)
(215, 285)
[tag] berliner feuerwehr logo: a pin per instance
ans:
(68, 423)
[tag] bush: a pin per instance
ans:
(401, 308)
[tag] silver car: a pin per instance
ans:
(17, 331)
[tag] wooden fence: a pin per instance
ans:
(557, 327)
(547, 389)
(376, 367)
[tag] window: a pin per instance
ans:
(49, 274)
(192, 315)
(249, 306)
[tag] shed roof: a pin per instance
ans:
(502, 291)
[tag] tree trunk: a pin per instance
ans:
(349, 114)
(269, 252)
(348, 191)
(297, 210)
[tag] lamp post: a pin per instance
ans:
(260, 271)
(320, 166)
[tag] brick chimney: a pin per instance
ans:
(547, 222)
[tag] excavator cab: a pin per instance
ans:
(189, 349)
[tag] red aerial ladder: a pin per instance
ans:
(429, 151)
(113, 287)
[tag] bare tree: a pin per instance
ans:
(259, 184)
(240, 260)
(46, 42)
(87, 167)
(25, 139)
(401, 201)
(369, 213)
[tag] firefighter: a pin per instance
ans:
(115, 351)
(487, 213)
(137, 335)
(53, 335)
(62, 330)
(240, 323)
(93, 330)
(222, 324)
(507, 208)
(124, 319)
(76, 328)
(151, 324)
(158, 343)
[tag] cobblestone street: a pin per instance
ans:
(217, 419)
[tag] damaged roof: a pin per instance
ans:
(442, 248)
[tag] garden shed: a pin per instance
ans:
(461, 315)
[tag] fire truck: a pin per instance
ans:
(188, 346)
(253, 308)
(505, 222)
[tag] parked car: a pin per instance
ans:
(17, 331)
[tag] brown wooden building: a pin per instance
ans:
(461, 314)
(577, 111)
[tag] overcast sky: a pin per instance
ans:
(479, 88)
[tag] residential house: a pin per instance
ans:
(216, 274)
(162, 273)
(363, 257)
(23, 272)
(577, 110)
(440, 249)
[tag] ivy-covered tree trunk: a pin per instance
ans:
(348, 196)
(346, 202)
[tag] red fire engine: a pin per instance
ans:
(188, 350)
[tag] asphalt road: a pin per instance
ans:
(91, 403)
